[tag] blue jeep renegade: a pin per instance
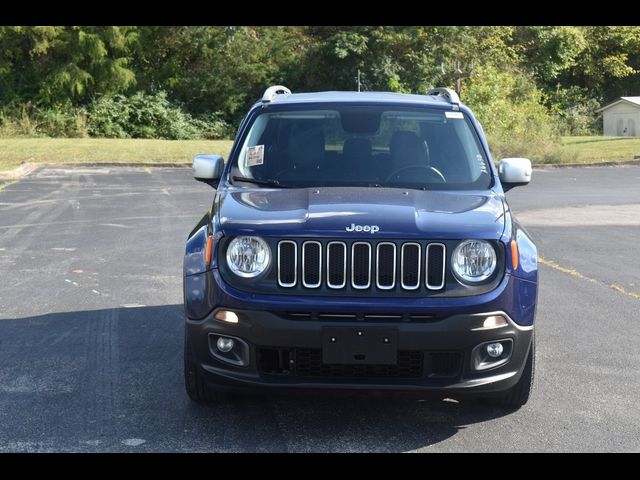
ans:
(360, 241)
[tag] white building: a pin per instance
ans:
(622, 117)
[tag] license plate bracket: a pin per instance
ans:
(365, 346)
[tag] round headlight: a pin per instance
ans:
(473, 261)
(248, 257)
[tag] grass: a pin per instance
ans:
(577, 149)
(14, 151)
(595, 149)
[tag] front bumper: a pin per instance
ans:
(266, 325)
(265, 331)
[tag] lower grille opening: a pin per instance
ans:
(274, 361)
(443, 364)
(307, 362)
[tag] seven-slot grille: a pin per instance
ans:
(361, 265)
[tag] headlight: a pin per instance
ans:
(473, 261)
(248, 257)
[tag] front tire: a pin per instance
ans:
(197, 388)
(518, 395)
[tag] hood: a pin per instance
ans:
(361, 213)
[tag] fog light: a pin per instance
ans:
(494, 350)
(494, 321)
(226, 316)
(225, 344)
(491, 354)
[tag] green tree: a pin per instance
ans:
(53, 65)
(218, 69)
(548, 52)
(403, 59)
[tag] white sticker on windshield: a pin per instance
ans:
(254, 156)
(453, 114)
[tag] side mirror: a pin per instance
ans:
(208, 168)
(514, 172)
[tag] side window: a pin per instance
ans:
(249, 156)
(235, 139)
(477, 164)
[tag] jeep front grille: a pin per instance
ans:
(311, 264)
(410, 265)
(386, 265)
(361, 265)
(336, 264)
(287, 263)
(435, 266)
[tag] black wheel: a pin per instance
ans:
(197, 388)
(519, 394)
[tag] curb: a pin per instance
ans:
(613, 163)
(26, 168)
(18, 172)
(115, 164)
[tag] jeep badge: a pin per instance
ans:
(363, 228)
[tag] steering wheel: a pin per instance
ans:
(433, 172)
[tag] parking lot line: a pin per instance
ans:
(575, 273)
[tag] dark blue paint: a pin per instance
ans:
(528, 253)
(194, 252)
(328, 211)
(198, 295)
(513, 296)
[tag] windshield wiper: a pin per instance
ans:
(267, 182)
(397, 185)
(408, 186)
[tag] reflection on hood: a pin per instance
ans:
(329, 211)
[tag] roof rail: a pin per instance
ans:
(272, 92)
(451, 96)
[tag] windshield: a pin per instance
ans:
(373, 146)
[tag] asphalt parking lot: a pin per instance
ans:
(91, 328)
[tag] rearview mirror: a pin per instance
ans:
(208, 168)
(514, 172)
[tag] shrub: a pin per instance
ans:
(62, 122)
(108, 117)
(137, 116)
(576, 111)
(509, 106)
(213, 127)
(149, 116)
(27, 120)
